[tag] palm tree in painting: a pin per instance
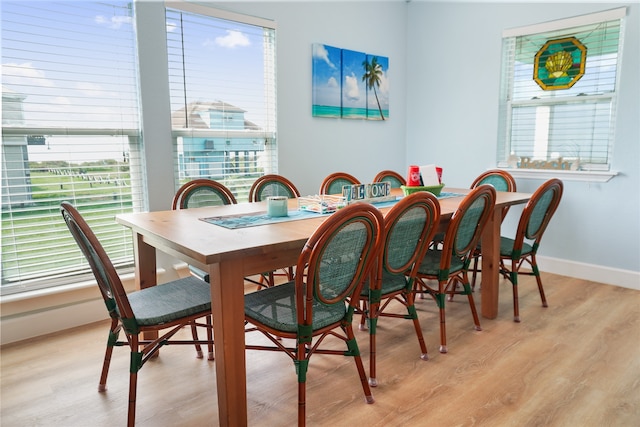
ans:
(371, 77)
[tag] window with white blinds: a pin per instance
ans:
(553, 113)
(223, 104)
(70, 131)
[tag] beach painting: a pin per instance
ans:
(327, 77)
(349, 84)
(376, 78)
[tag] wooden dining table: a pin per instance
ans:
(229, 255)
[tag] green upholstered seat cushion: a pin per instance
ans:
(430, 265)
(275, 307)
(390, 283)
(171, 301)
(506, 247)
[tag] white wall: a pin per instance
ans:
(453, 73)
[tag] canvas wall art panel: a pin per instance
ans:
(376, 72)
(354, 91)
(327, 77)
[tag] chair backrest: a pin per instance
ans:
(272, 185)
(409, 228)
(337, 256)
(334, 182)
(392, 177)
(109, 282)
(202, 192)
(537, 213)
(466, 225)
(501, 181)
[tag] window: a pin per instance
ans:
(558, 95)
(70, 131)
(222, 86)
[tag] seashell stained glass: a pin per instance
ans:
(559, 63)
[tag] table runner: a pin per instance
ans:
(253, 219)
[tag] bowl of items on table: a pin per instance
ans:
(418, 176)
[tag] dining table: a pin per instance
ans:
(229, 255)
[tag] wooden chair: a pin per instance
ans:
(501, 181)
(273, 185)
(409, 228)
(338, 256)
(332, 184)
(522, 249)
(202, 192)
(394, 178)
(168, 307)
(448, 266)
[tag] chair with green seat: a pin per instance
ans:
(394, 178)
(168, 307)
(268, 186)
(409, 228)
(501, 180)
(448, 265)
(522, 249)
(320, 303)
(333, 183)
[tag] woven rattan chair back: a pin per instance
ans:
(539, 210)
(202, 192)
(500, 179)
(409, 227)
(392, 177)
(465, 229)
(333, 183)
(339, 255)
(272, 185)
(109, 282)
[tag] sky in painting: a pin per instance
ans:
(327, 65)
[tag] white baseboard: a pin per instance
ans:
(35, 324)
(593, 273)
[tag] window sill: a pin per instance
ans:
(588, 176)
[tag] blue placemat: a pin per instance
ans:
(254, 219)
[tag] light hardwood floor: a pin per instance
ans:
(575, 363)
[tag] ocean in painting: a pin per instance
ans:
(326, 111)
(347, 113)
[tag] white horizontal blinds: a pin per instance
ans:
(70, 131)
(222, 84)
(574, 123)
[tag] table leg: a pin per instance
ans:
(227, 295)
(491, 265)
(145, 270)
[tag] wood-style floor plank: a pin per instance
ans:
(575, 363)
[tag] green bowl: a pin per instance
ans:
(434, 189)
